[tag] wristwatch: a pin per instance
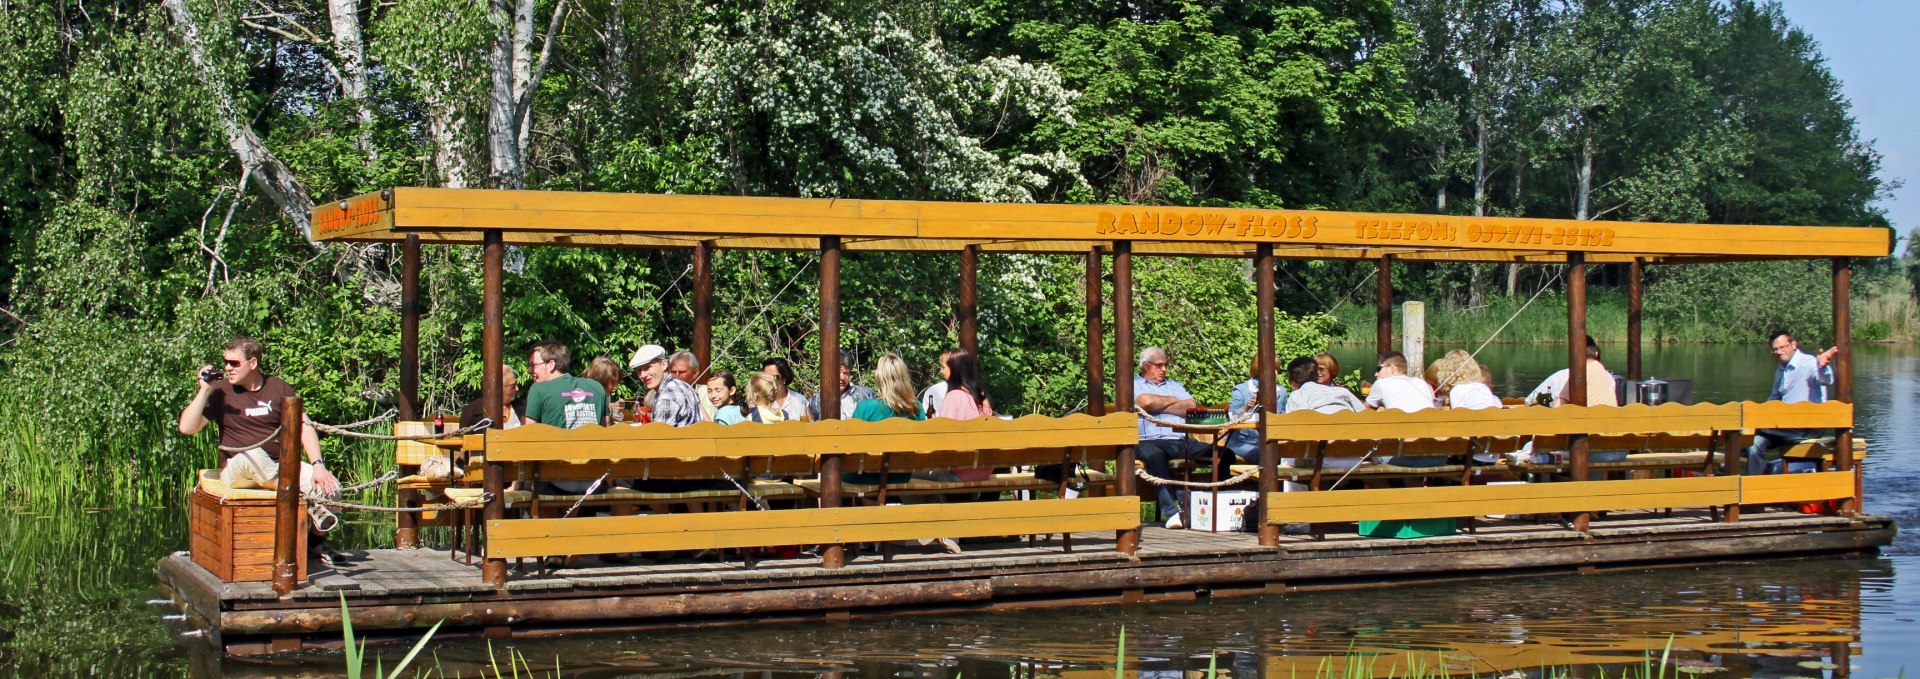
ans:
(319, 463)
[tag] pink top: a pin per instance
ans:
(959, 405)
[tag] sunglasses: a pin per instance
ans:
(232, 363)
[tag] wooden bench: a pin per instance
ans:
(659, 449)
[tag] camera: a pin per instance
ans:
(210, 374)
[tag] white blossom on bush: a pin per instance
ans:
(816, 105)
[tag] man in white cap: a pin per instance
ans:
(674, 401)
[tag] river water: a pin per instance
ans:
(76, 583)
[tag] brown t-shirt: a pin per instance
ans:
(246, 417)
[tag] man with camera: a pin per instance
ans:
(247, 404)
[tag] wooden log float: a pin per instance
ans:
(1011, 582)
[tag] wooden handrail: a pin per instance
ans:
(539, 443)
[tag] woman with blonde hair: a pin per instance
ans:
(894, 388)
(1459, 378)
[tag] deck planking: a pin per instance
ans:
(395, 590)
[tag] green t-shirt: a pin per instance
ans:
(875, 410)
(567, 402)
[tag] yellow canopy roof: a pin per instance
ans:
(731, 222)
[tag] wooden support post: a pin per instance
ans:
(1383, 306)
(970, 301)
(1269, 452)
(1732, 464)
(1577, 368)
(1636, 294)
(1413, 336)
(1843, 373)
(831, 556)
(1128, 541)
(703, 306)
(406, 534)
(1096, 343)
(492, 388)
(286, 499)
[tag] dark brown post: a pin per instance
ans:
(1383, 306)
(1096, 343)
(1269, 454)
(492, 355)
(1577, 367)
(831, 556)
(1843, 372)
(970, 301)
(286, 499)
(406, 533)
(1128, 541)
(1636, 294)
(703, 304)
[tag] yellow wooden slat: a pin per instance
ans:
(1530, 498)
(1457, 423)
(1774, 488)
(538, 442)
(1777, 415)
(599, 535)
(369, 217)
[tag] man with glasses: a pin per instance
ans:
(1800, 378)
(557, 399)
(1167, 400)
(246, 404)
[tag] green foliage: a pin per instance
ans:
(1748, 300)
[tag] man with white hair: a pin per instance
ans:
(674, 401)
(1163, 399)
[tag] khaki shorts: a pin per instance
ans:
(256, 469)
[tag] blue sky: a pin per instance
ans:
(1870, 46)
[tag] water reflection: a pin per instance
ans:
(1777, 619)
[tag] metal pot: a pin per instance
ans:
(1652, 391)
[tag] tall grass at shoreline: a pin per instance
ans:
(1882, 312)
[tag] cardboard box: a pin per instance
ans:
(1236, 511)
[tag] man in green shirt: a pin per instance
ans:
(558, 399)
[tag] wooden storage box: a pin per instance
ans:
(232, 532)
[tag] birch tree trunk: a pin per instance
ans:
(503, 101)
(447, 126)
(345, 17)
(1440, 194)
(269, 174)
(1585, 190)
(1480, 165)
